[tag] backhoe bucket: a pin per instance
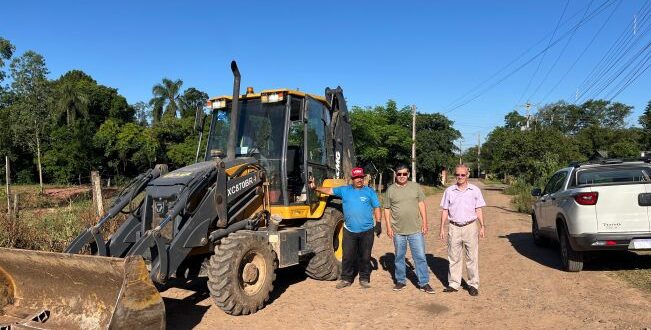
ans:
(46, 290)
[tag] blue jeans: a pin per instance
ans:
(417, 246)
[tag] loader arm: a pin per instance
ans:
(117, 243)
(209, 201)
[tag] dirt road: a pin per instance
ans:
(521, 287)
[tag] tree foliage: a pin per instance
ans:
(558, 134)
(165, 97)
(383, 138)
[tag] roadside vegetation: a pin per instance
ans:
(45, 222)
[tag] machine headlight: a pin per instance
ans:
(217, 104)
(272, 97)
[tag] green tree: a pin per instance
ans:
(71, 102)
(6, 52)
(381, 137)
(106, 140)
(130, 148)
(142, 113)
(645, 122)
(69, 156)
(30, 114)
(7, 146)
(165, 97)
(192, 102)
(514, 120)
(529, 154)
(434, 145)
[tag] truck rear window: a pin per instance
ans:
(612, 175)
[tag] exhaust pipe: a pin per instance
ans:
(232, 134)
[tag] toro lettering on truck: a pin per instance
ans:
(241, 185)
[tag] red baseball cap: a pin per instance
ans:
(357, 172)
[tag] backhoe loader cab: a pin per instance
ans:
(236, 217)
(287, 131)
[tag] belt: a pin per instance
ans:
(462, 224)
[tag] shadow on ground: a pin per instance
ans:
(438, 266)
(594, 261)
(503, 209)
(186, 313)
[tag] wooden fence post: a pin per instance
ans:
(15, 206)
(8, 180)
(97, 193)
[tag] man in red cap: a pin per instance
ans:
(361, 219)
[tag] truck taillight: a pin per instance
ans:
(587, 198)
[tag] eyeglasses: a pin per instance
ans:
(460, 175)
(402, 174)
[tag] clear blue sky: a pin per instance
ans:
(427, 53)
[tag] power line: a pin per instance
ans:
(597, 11)
(622, 47)
(610, 54)
(542, 58)
(569, 41)
(634, 76)
(544, 98)
(478, 86)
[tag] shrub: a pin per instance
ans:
(521, 192)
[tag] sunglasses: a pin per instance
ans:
(402, 174)
(460, 175)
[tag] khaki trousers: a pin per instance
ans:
(464, 239)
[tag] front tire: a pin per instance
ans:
(324, 237)
(241, 273)
(572, 260)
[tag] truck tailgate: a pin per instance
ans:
(618, 209)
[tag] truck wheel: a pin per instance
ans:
(241, 273)
(324, 237)
(572, 260)
(535, 232)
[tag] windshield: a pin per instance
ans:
(260, 131)
(613, 175)
(219, 134)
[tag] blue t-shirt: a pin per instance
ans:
(358, 207)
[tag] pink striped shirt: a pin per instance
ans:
(461, 204)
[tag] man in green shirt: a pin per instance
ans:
(406, 223)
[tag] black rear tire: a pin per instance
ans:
(241, 273)
(572, 260)
(324, 239)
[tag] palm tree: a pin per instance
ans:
(72, 102)
(165, 96)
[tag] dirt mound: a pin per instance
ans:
(67, 193)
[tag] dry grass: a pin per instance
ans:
(47, 222)
(635, 268)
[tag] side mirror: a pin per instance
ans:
(536, 192)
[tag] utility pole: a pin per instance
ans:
(413, 143)
(460, 153)
(478, 154)
(528, 106)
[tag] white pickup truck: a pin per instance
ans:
(594, 207)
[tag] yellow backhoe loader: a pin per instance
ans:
(235, 217)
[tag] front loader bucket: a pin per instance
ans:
(46, 290)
